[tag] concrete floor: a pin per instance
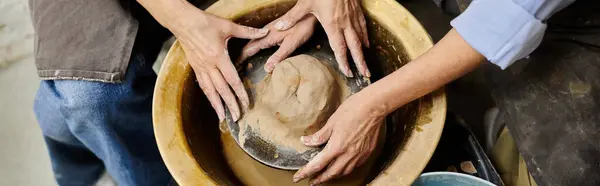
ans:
(23, 158)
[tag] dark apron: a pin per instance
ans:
(551, 99)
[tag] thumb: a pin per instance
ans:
(318, 138)
(286, 48)
(245, 32)
(290, 18)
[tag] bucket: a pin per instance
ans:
(449, 179)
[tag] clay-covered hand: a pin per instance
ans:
(351, 134)
(288, 41)
(344, 23)
(204, 40)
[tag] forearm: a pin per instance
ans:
(448, 60)
(172, 13)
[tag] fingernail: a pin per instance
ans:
(268, 66)
(345, 72)
(304, 140)
(367, 73)
(221, 117)
(281, 25)
(297, 178)
(313, 141)
(349, 73)
(236, 115)
(314, 184)
(267, 69)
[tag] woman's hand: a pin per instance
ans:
(344, 23)
(287, 40)
(204, 40)
(352, 130)
(351, 134)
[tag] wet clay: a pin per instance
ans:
(315, 95)
(295, 100)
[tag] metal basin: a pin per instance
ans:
(187, 130)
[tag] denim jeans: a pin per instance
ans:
(90, 127)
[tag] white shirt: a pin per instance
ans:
(506, 30)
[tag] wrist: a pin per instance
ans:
(183, 18)
(175, 15)
(186, 21)
(374, 106)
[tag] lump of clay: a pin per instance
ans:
(295, 100)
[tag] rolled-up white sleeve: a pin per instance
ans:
(506, 30)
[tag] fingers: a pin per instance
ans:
(338, 45)
(233, 79)
(354, 44)
(362, 160)
(245, 32)
(249, 50)
(362, 24)
(351, 165)
(317, 164)
(290, 18)
(318, 138)
(363, 30)
(211, 93)
(252, 48)
(341, 166)
(288, 41)
(356, 28)
(335, 169)
(223, 88)
(286, 48)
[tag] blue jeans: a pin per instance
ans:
(90, 127)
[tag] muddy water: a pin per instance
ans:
(253, 173)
